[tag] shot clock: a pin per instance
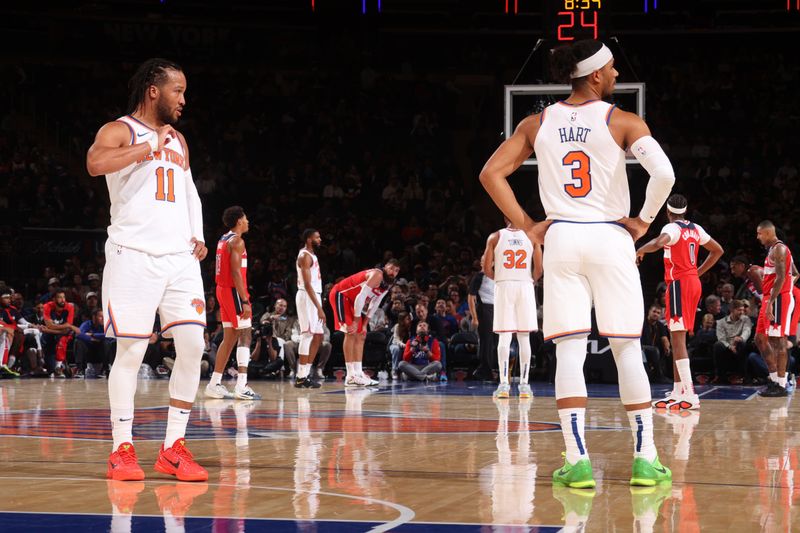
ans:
(571, 20)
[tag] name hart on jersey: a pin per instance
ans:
(577, 134)
(164, 155)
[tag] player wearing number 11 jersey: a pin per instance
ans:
(507, 260)
(681, 241)
(589, 256)
(155, 241)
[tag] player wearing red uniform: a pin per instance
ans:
(354, 300)
(681, 240)
(776, 309)
(234, 305)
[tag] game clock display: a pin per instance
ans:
(571, 20)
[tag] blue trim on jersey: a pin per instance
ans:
(133, 135)
(578, 105)
(140, 122)
(614, 222)
(608, 115)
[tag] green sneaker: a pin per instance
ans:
(647, 474)
(577, 476)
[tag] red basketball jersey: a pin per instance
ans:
(769, 273)
(351, 286)
(680, 253)
(224, 277)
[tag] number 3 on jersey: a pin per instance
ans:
(515, 259)
(169, 195)
(581, 168)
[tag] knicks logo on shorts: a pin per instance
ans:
(198, 305)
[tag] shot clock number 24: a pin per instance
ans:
(578, 19)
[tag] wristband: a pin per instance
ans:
(152, 140)
(245, 302)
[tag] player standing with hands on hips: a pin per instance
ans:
(589, 255)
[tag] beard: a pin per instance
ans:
(165, 114)
(316, 248)
(387, 278)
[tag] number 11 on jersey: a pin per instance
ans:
(169, 195)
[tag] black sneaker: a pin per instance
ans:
(773, 390)
(306, 383)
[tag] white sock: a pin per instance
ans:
(685, 374)
(503, 355)
(773, 376)
(524, 356)
(303, 371)
(641, 422)
(572, 425)
(121, 426)
(177, 419)
(241, 380)
(782, 381)
(351, 369)
(216, 379)
(359, 369)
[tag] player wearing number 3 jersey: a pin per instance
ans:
(589, 256)
(508, 259)
(155, 241)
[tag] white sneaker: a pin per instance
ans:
(525, 391)
(246, 393)
(372, 382)
(218, 391)
(357, 381)
(503, 391)
(678, 402)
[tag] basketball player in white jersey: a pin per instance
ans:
(155, 241)
(507, 260)
(589, 257)
(309, 307)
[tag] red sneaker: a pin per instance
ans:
(177, 461)
(123, 464)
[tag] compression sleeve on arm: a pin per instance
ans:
(358, 306)
(650, 155)
(195, 207)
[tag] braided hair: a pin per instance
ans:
(151, 72)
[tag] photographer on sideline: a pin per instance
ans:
(421, 358)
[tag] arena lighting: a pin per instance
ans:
(647, 3)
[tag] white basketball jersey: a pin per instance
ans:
(316, 275)
(149, 207)
(582, 174)
(513, 256)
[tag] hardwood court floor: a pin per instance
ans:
(405, 458)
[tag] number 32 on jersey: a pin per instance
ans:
(580, 166)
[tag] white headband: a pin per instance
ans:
(676, 210)
(594, 62)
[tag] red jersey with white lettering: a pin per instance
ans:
(224, 277)
(343, 297)
(680, 252)
(769, 272)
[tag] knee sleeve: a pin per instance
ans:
(504, 341)
(185, 377)
(570, 355)
(634, 386)
(524, 341)
(124, 372)
(305, 343)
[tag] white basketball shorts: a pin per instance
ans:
(514, 307)
(307, 314)
(586, 264)
(136, 285)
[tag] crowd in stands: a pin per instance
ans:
(367, 154)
